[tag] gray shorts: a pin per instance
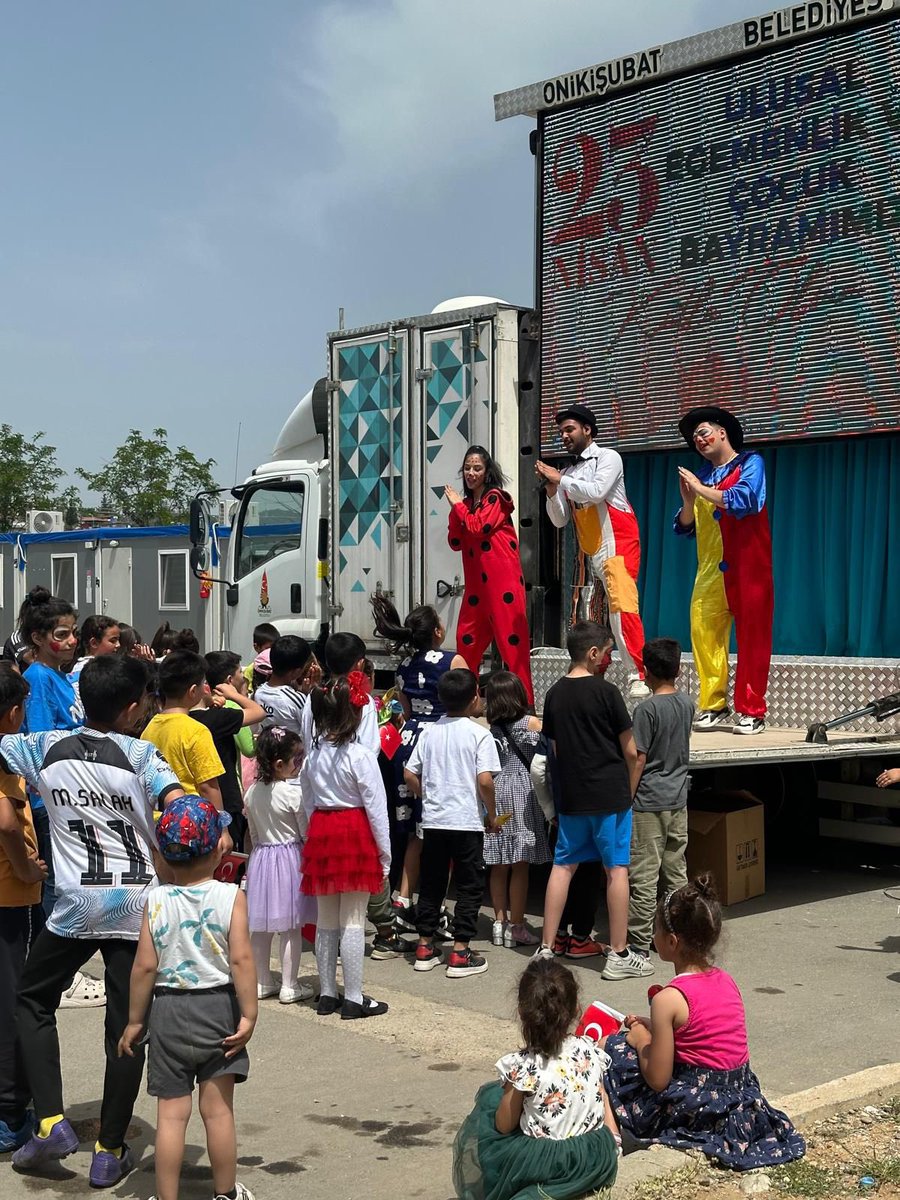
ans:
(185, 1043)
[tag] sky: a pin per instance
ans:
(192, 188)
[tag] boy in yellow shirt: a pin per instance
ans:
(21, 918)
(185, 744)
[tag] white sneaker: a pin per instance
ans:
(84, 992)
(709, 719)
(265, 990)
(630, 965)
(543, 952)
(243, 1193)
(748, 725)
(300, 991)
(637, 689)
(497, 933)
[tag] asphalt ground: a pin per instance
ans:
(369, 1108)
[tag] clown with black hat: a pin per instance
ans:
(723, 505)
(592, 492)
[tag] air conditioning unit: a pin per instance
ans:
(41, 520)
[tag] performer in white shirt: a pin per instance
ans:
(593, 491)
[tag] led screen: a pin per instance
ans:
(729, 237)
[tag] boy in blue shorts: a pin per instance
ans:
(587, 721)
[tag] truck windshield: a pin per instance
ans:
(270, 523)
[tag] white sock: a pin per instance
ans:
(327, 941)
(353, 943)
(291, 948)
(261, 944)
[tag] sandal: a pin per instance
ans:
(84, 992)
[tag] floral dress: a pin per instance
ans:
(561, 1147)
(721, 1112)
(563, 1095)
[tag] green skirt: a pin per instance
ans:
(488, 1165)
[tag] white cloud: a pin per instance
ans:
(404, 89)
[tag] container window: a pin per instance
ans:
(62, 576)
(173, 579)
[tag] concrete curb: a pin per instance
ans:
(849, 1091)
(804, 1108)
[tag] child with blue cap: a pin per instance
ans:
(194, 960)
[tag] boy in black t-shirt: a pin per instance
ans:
(586, 719)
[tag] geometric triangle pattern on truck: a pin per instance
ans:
(458, 410)
(369, 426)
(447, 396)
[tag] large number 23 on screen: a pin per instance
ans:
(578, 167)
(97, 873)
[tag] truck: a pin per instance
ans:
(717, 221)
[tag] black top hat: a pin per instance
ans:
(578, 412)
(716, 416)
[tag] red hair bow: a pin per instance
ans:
(359, 689)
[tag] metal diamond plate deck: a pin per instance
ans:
(801, 690)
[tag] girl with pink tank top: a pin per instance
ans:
(683, 1077)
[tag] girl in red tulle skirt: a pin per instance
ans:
(347, 854)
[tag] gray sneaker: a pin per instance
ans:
(543, 952)
(629, 965)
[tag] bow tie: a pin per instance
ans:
(577, 458)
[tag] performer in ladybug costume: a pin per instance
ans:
(724, 507)
(493, 607)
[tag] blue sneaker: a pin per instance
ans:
(108, 1168)
(37, 1151)
(12, 1139)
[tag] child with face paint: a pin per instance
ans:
(48, 624)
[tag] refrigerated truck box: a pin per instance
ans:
(726, 836)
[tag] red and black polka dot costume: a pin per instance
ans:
(493, 607)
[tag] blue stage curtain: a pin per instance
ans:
(835, 513)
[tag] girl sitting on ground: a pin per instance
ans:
(683, 1077)
(523, 838)
(545, 1129)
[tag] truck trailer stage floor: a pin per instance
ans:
(724, 748)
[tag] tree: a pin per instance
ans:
(70, 503)
(28, 475)
(149, 483)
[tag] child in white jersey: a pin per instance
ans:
(277, 823)
(100, 788)
(347, 855)
(194, 960)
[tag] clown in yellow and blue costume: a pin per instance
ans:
(723, 505)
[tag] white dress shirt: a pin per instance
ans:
(597, 478)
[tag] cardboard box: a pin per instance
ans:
(726, 836)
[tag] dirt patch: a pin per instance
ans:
(855, 1153)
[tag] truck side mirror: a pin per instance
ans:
(199, 559)
(198, 525)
